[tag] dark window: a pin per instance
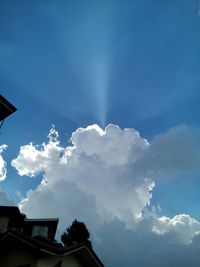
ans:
(40, 231)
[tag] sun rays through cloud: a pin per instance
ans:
(91, 58)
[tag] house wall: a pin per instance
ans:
(3, 224)
(17, 257)
(67, 261)
(71, 261)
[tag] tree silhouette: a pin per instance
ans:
(75, 234)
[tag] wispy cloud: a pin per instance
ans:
(5, 200)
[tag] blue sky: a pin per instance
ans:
(134, 64)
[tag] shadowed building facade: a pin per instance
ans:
(30, 243)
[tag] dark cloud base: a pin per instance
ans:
(122, 247)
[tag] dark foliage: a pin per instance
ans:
(75, 234)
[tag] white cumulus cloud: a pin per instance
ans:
(105, 178)
(96, 164)
(182, 227)
(3, 169)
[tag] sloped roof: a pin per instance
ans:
(13, 213)
(10, 211)
(82, 251)
(6, 108)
